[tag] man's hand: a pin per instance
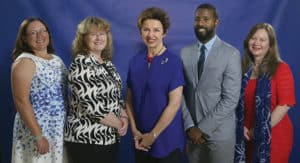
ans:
(195, 135)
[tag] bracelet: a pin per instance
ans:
(38, 137)
(122, 116)
(154, 135)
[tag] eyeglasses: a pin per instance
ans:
(99, 34)
(35, 32)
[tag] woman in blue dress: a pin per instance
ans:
(38, 80)
(155, 83)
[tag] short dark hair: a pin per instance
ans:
(209, 7)
(157, 14)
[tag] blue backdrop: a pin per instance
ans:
(62, 16)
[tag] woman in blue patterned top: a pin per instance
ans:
(38, 80)
(96, 118)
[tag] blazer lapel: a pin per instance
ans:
(209, 60)
(194, 61)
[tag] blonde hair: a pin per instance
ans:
(79, 45)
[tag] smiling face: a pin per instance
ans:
(37, 36)
(259, 44)
(205, 24)
(96, 40)
(152, 33)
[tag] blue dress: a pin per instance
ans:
(48, 100)
(150, 86)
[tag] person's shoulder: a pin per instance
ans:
(172, 55)
(55, 56)
(26, 58)
(228, 45)
(82, 58)
(227, 48)
(283, 66)
(58, 59)
(137, 58)
(283, 70)
(109, 63)
(23, 63)
(189, 47)
(188, 50)
(26, 55)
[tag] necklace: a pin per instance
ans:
(156, 54)
(150, 57)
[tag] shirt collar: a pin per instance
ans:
(209, 44)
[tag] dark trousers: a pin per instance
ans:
(91, 153)
(174, 157)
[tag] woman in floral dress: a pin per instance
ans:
(38, 80)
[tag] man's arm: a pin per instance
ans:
(186, 116)
(230, 93)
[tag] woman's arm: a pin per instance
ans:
(166, 117)
(124, 119)
(111, 120)
(129, 110)
(278, 113)
(21, 77)
(135, 132)
(285, 93)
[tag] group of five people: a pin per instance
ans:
(229, 111)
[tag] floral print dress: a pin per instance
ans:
(48, 100)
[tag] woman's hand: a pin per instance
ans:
(42, 145)
(249, 133)
(147, 140)
(137, 137)
(123, 130)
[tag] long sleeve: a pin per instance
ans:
(186, 115)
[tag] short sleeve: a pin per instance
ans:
(285, 87)
(177, 77)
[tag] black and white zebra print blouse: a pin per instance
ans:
(95, 91)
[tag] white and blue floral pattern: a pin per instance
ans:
(48, 100)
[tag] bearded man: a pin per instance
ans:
(212, 70)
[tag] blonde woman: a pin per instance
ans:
(96, 118)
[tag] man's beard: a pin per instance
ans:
(204, 36)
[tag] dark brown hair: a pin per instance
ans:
(21, 44)
(157, 14)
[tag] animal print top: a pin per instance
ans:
(95, 91)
